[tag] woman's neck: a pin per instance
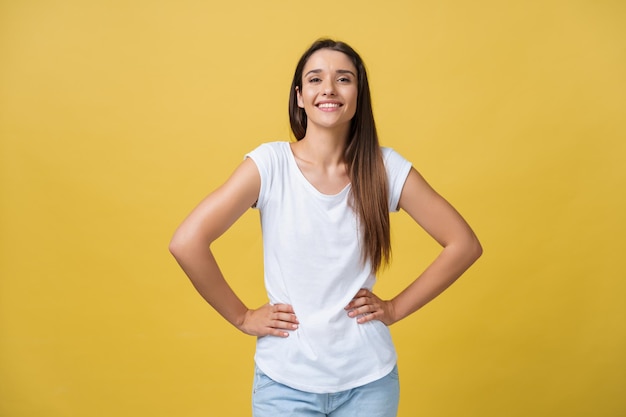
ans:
(321, 161)
(323, 147)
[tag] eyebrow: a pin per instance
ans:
(339, 71)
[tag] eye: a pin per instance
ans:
(314, 80)
(344, 80)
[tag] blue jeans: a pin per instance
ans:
(376, 399)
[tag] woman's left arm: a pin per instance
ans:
(460, 250)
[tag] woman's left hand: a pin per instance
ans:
(367, 306)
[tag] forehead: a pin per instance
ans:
(329, 60)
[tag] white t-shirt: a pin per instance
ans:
(312, 260)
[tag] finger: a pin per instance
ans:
(364, 309)
(356, 302)
(359, 302)
(367, 317)
(285, 321)
(278, 333)
(282, 308)
(359, 297)
(361, 293)
(286, 317)
(283, 325)
(364, 314)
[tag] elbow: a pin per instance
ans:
(479, 249)
(175, 247)
(475, 249)
(178, 245)
(186, 245)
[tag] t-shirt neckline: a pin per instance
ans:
(300, 174)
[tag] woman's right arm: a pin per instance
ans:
(191, 243)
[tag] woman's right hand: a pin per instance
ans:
(270, 320)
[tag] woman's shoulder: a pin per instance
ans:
(272, 147)
(391, 156)
(386, 151)
(271, 154)
(276, 146)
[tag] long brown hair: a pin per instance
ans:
(362, 155)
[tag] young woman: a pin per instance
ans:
(323, 344)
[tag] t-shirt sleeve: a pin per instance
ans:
(262, 156)
(398, 170)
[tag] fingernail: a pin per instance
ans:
(294, 326)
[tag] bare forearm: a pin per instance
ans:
(443, 272)
(191, 243)
(201, 267)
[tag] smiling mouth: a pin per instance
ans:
(329, 105)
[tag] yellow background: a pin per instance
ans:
(117, 117)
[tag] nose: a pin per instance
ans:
(329, 88)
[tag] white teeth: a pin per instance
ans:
(328, 105)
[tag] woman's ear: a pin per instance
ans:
(299, 96)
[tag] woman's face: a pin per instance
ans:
(329, 90)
